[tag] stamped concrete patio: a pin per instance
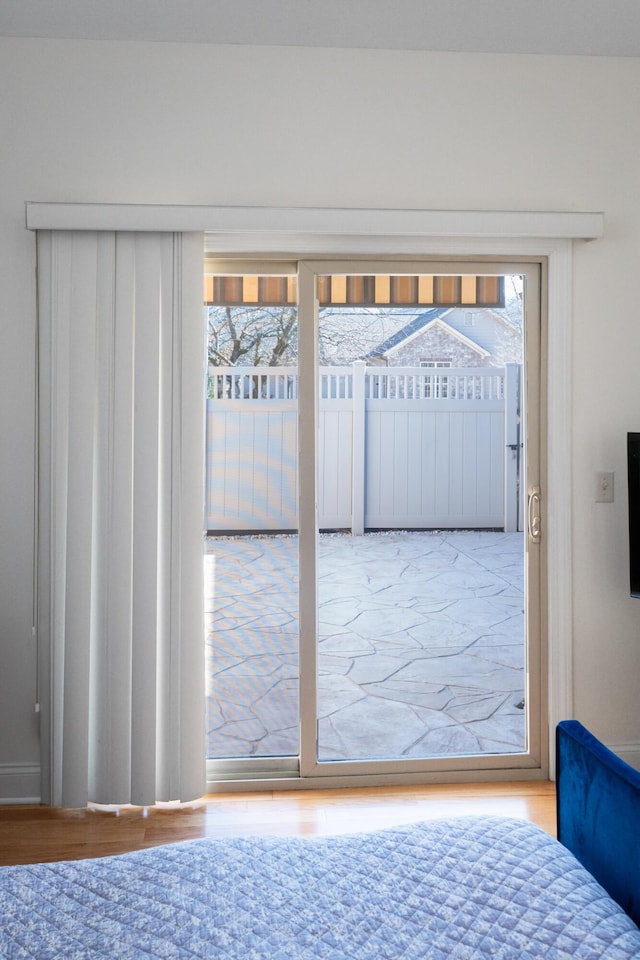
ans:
(420, 654)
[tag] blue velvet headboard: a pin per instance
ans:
(598, 809)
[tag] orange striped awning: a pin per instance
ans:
(356, 291)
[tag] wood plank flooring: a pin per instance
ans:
(34, 833)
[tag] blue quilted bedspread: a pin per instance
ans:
(445, 890)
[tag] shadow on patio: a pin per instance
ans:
(421, 647)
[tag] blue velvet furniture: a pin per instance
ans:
(599, 813)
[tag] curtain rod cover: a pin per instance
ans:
(236, 220)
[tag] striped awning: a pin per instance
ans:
(357, 291)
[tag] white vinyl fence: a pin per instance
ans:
(398, 447)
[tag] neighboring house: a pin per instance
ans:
(453, 337)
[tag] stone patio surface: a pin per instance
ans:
(421, 646)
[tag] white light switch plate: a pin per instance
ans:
(604, 487)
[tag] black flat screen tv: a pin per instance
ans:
(633, 469)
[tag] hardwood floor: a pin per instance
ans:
(33, 833)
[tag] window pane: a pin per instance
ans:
(251, 548)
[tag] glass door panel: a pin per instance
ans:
(251, 517)
(422, 633)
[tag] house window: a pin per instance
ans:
(435, 387)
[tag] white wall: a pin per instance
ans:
(164, 123)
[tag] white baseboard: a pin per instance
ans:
(629, 752)
(19, 783)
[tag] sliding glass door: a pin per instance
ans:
(373, 582)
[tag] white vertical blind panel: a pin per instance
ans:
(167, 692)
(149, 517)
(122, 369)
(79, 572)
(110, 697)
(189, 360)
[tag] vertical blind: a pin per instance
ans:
(120, 514)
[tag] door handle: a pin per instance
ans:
(535, 522)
